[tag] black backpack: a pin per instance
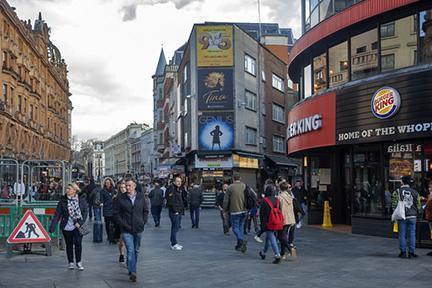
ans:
(250, 198)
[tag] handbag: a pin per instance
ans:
(399, 212)
(84, 229)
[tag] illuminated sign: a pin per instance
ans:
(304, 125)
(385, 103)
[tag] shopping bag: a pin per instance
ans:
(395, 227)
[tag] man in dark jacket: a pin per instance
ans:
(411, 200)
(156, 200)
(89, 186)
(301, 195)
(175, 203)
(131, 213)
(219, 204)
(195, 200)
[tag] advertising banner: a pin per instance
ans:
(214, 45)
(216, 131)
(215, 89)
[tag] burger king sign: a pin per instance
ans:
(385, 102)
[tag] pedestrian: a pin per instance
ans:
(195, 199)
(131, 213)
(428, 211)
(235, 205)
(301, 195)
(252, 216)
(89, 186)
(175, 203)
(219, 204)
(156, 200)
(286, 235)
(271, 219)
(407, 226)
(72, 212)
(107, 195)
(121, 189)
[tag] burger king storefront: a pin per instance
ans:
(357, 141)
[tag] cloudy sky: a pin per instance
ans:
(112, 47)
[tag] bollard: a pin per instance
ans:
(327, 223)
(395, 227)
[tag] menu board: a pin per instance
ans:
(399, 167)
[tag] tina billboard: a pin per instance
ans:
(215, 89)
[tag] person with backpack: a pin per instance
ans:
(271, 222)
(235, 204)
(407, 226)
(286, 235)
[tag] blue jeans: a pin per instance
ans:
(237, 222)
(97, 214)
(407, 228)
(194, 213)
(132, 243)
(175, 227)
(271, 240)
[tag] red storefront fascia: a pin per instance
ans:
(312, 123)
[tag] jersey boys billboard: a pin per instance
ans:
(216, 131)
(215, 89)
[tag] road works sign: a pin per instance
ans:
(29, 230)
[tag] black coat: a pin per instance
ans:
(265, 211)
(107, 200)
(131, 218)
(220, 199)
(176, 199)
(62, 212)
(156, 197)
(195, 197)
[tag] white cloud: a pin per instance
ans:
(111, 61)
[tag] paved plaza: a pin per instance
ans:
(325, 259)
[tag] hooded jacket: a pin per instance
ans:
(62, 212)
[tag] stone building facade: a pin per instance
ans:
(35, 109)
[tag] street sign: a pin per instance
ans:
(29, 230)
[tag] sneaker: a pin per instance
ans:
(412, 255)
(277, 259)
(284, 257)
(71, 266)
(262, 255)
(80, 266)
(133, 277)
(298, 225)
(121, 259)
(258, 239)
(176, 247)
(180, 246)
(402, 255)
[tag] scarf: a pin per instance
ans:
(73, 208)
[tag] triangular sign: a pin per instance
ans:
(29, 230)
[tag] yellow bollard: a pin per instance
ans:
(327, 217)
(395, 227)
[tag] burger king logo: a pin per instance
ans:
(385, 102)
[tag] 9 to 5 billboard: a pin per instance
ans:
(214, 45)
(215, 89)
(216, 131)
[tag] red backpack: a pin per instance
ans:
(275, 220)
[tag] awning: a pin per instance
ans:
(281, 161)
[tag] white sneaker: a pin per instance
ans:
(176, 247)
(71, 266)
(258, 239)
(299, 225)
(180, 246)
(80, 266)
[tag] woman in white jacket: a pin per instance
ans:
(286, 235)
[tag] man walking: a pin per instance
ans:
(219, 204)
(301, 195)
(195, 200)
(156, 200)
(131, 213)
(175, 203)
(235, 204)
(407, 226)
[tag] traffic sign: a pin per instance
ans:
(29, 230)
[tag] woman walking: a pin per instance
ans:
(71, 211)
(271, 222)
(286, 235)
(108, 193)
(121, 188)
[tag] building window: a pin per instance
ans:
(249, 64)
(20, 104)
(387, 62)
(278, 83)
(251, 135)
(251, 100)
(364, 54)
(31, 112)
(185, 73)
(425, 48)
(278, 144)
(326, 9)
(5, 58)
(388, 30)
(320, 72)
(4, 93)
(338, 64)
(278, 113)
(307, 81)
(290, 83)
(185, 106)
(398, 51)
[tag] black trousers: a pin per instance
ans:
(286, 238)
(73, 239)
(109, 232)
(156, 213)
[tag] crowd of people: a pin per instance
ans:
(277, 212)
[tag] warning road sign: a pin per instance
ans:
(29, 230)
